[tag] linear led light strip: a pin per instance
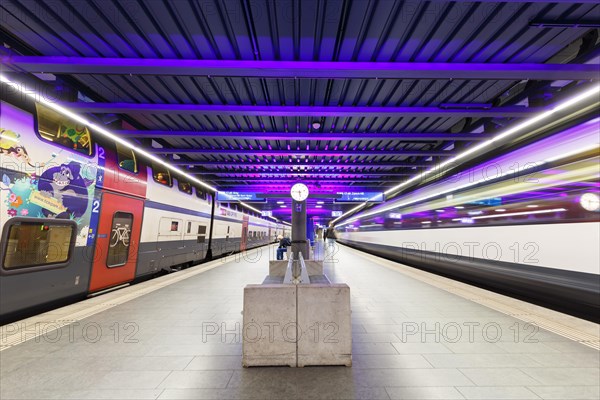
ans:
(64, 111)
(454, 189)
(575, 100)
(514, 213)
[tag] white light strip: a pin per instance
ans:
(525, 168)
(571, 102)
(429, 196)
(64, 111)
(515, 213)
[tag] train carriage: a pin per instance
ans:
(80, 215)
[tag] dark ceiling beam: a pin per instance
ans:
(220, 181)
(417, 136)
(284, 187)
(267, 164)
(292, 174)
(517, 1)
(298, 69)
(300, 111)
(293, 152)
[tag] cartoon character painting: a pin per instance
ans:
(9, 146)
(65, 184)
(42, 178)
(61, 191)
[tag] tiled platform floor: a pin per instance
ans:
(410, 341)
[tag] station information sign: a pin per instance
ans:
(359, 197)
(228, 196)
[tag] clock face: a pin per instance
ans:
(299, 192)
(590, 201)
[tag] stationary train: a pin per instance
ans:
(525, 224)
(79, 215)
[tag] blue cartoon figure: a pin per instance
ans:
(65, 191)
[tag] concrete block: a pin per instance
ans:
(269, 325)
(277, 268)
(324, 323)
(314, 267)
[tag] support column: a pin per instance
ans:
(299, 242)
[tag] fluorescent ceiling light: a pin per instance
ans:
(105, 132)
(554, 210)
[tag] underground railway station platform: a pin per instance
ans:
(300, 199)
(415, 335)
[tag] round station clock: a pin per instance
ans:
(299, 192)
(590, 201)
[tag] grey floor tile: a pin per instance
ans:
(373, 348)
(308, 392)
(520, 348)
(374, 337)
(196, 380)
(131, 380)
(582, 360)
(569, 347)
(475, 348)
(390, 361)
(498, 393)
(574, 376)
(192, 394)
(498, 377)
(37, 394)
(424, 393)
(120, 394)
(215, 363)
(567, 392)
(480, 360)
(421, 348)
(410, 377)
(148, 363)
(202, 349)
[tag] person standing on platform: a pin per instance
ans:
(283, 245)
(331, 237)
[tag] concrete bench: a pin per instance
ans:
(296, 324)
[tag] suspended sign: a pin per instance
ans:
(337, 213)
(266, 213)
(359, 197)
(238, 196)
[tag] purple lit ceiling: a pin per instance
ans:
(257, 95)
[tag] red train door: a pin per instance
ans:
(117, 242)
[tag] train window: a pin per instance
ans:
(161, 175)
(63, 131)
(118, 249)
(184, 186)
(200, 193)
(174, 226)
(38, 243)
(201, 233)
(126, 159)
(189, 229)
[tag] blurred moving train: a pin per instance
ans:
(79, 216)
(526, 223)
